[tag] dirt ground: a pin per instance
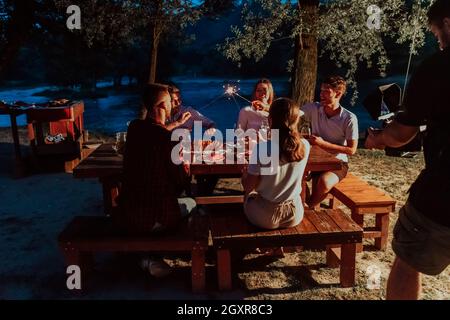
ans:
(34, 209)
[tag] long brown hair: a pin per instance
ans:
(284, 114)
(271, 92)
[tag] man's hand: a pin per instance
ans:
(260, 106)
(184, 117)
(375, 139)
(315, 140)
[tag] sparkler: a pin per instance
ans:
(232, 90)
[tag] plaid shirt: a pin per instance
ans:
(151, 181)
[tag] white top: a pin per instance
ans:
(337, 129)
(286, 181)
(249, 118)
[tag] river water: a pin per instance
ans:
(111, 114)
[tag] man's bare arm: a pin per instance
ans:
(349, 149)
(394, 135)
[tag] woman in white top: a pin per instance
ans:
(255, 116)
(273, 201)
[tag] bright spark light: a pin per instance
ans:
(232, 90)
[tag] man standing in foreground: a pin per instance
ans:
(422, 233)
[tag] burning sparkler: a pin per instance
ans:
(232, 90)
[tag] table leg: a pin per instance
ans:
(19, 165)
(110, 192)
(224, 269)
(348, 261)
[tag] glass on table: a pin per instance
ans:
(305, 130)
(119, 146)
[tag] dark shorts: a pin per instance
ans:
(420, 242)
(341, 174)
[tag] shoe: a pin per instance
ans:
(157, 268)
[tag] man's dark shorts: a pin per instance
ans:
(341, 174)
(420, 242)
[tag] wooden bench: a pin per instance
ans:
(329, 229)
(85, 235)
(362, 198)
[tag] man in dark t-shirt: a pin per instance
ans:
(422, 233)
(149, 202)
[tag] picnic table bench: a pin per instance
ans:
(327, 229)
(86, 235)
(362, 198)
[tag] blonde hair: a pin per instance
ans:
(271, 92)
(284, 114)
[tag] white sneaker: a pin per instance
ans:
(158, 268)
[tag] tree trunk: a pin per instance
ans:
(153, 56)
(156, 29)
(304, 75)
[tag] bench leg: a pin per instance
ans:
(224, 269)
(359, 220)
(110, 193)
(382, 224)
(333, 256)
(198, 269)
(334, 202)
(348, 261)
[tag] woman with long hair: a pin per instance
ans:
(255, 116)
(273, 200)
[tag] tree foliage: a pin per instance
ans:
(341, 29)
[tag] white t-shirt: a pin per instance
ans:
(250, 118)
(337, 129)
(286, 181)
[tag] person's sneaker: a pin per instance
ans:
(158, 268)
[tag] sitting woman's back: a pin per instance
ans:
(273, 189)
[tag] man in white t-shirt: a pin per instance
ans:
(335, 130)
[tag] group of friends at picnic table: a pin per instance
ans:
(150, 200)
(153, 196)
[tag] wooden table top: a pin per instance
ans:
(105, 162)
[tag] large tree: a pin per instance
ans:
(122, 23)
(16, 22)
(339, 29)
(164, 17)
(108, 24)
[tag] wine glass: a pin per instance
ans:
(121, 138)
(264, 130)
(305, 130)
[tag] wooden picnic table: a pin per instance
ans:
(105, 164)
